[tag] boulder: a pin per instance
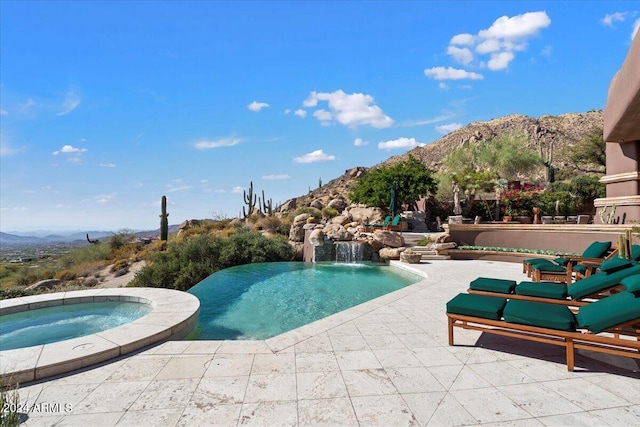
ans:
(338, 204)
(296, 233)
(389, 238)
(444, 238)
(341, 219)
(316, 238)
(289, 205)
(362, 213)
(316, 204)
(337, 233)
(390, 253)
(47, 283)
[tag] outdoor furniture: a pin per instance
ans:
(609, 325)
(583, 219)
(616, 278)
(596, 250)
(372, 227)
(395, 224)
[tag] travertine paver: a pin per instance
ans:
(386, 362)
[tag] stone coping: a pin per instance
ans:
(173, 316)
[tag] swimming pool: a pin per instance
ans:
(259, 301)
(63, 322)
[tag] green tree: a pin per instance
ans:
(589, 155)
(413, 177)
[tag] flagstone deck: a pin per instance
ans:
(385, 362)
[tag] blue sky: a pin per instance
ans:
(107, 106)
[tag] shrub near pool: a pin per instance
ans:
(186, 263)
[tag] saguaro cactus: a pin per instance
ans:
(250, 200)
(164, 220)
(266, 206)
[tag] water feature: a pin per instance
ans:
(63, 322)
(259, 301)
(350, 252)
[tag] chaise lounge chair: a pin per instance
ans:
(610, 325)
(575, 267)
(595, 251)
(395, 224)
(372, 227)
(613, 277)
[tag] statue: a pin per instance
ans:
(457, 209)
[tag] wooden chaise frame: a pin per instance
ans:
(568, 302)
(570, 340)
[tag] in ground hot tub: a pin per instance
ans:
(156, 315)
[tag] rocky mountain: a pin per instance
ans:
(550, 135)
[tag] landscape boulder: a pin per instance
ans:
(289, 205)
(337, 233)
(361, 213)
(316, 237)
(390, 253)
(341, 219)
(296, 233)
(389, 238)
(316, 204)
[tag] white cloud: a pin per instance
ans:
(349, 109)
(237, 189)
(108, 165)
(174, 188)
(463, 39)
(450, 73)
(275, 177)
(516, 27)
(436, 119)
(608, 20)
(222, 142)
(504, 37)
(69, 149)
(106, 199)
(287, 111)
(399, 143)
(257, 106)
(300, 113)
(546, 51)
(314, 157)
(444, 129)
(359, 142)
(3, 112)
(488, 46)
(636, 26)
(460, 54)
(71, 102)
(500, 61)
(324, 116)
(5, 148)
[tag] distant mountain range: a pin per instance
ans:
(45, 238)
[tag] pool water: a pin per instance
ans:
(63, 322)
(259, 301)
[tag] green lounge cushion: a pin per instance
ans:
(543, 290)
(614, 264)
(552, 316)
(561, 261)
(599, 282)
(500, 286)
(632, 284)
(609, 312)
(596, 250)
(477, 306)
(635, 252)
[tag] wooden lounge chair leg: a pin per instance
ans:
(450, 331)
(570, 354)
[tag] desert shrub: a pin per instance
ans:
(65, 275)
(120, 239)
(316, 213)
(328, 213)
(121, 264)
(274, 225)
(424, 241)
(184, 265)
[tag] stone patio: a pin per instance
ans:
(385, 362)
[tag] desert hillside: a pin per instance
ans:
(550, 135)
